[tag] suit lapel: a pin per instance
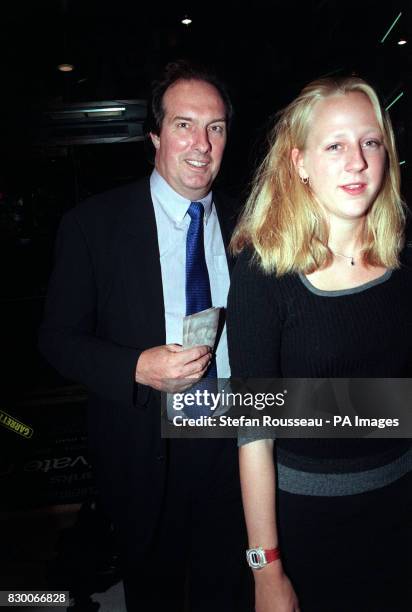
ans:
(141, 268)
(227, 223)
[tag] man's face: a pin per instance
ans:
(192, 138)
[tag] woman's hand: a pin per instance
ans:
(274, 591)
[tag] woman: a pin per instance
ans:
(318, 291)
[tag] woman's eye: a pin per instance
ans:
(334, 147)
(372, 144)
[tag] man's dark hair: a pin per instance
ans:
(182, 70)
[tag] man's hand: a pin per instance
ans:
(171, 368)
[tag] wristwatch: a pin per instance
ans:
(257, 558)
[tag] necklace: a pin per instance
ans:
(352, 259)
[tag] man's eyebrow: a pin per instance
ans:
(219, 120)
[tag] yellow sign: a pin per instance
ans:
(14, 425)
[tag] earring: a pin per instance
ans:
(304, 180)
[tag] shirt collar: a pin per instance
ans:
(175, 205)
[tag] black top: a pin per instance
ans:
(285, 327)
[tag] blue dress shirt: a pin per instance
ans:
(172, 222)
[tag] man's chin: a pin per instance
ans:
(199, 188)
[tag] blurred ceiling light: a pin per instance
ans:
(391, 27)
(81, 112)
(393, 101)
(186, 20)
(65, 67)
(402, 41)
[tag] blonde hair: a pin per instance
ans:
(283, 222)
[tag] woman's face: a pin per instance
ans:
(344, 156)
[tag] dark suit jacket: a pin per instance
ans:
(104, 307)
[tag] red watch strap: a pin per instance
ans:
(272, 554)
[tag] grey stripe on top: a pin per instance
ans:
(338, 292)
(337, 485)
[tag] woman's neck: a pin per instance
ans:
(346, 237)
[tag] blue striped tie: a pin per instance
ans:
(198, 295)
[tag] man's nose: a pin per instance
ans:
(201, 141)
(356, 161)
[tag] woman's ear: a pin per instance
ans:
(298, 162)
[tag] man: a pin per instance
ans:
(113, 321)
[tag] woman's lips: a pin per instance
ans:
(354, 188)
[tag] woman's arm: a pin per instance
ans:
(273, 590)
(254, 337)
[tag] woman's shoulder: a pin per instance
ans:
(249, 267)
(403, 275)
(246, 257)
(249, 275)
(406, 253)
(248, 262)
(406, 259)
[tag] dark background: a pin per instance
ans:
(266, 52)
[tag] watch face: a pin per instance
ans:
(256, 558)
